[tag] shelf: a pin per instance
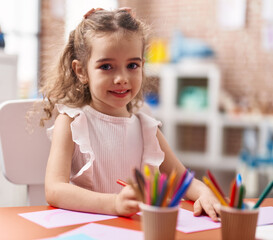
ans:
(243, 120)
(179, 115)
(203, 116)
(202, 161)
(184, 68)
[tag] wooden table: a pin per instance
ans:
(12, 226)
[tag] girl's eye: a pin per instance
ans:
(106, 67)
(133, 65)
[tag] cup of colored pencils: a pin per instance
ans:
(158, 223)
(160, 197)
(238, 223)
(238, 217)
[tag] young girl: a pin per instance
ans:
(98, 136)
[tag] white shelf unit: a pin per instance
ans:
(223, 133)
(174, 116)
(214, 123)
(261, 124)
(256, 178)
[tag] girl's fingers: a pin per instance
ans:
(197, 208)
(132, 204)
(211, 212)
(131, 208)
(129, 193)
(209, 208)
(217, 208)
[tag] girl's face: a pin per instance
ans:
(115, 72)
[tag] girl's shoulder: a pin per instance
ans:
(147, 119)
(62, 129)
(64, 120)
(71, 112)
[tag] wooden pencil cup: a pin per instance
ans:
(238, 224)
(158, 223)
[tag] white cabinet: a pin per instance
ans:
(201, 138)
(205, 138)
(183, 127)
(8, 76)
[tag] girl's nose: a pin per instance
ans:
(121, 79)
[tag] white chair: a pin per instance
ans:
(24, 148)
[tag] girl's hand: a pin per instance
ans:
(126, 203)
(209, 203)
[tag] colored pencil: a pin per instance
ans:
(264, 194)
(162, 193)
(182, 191)
(232, 193)
(147, 171)
(155, 188)
(140, 182)
(215, 191)
(212, 178)
(147, 190)
(171, 182)
(148, 181)
(122, 183)
(237, 190)
(241, 196)
(182, 179)
(162, 179)
(239, 179)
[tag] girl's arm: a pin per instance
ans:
(60, 193)
(198, 191)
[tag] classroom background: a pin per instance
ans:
(212, 62)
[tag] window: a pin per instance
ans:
(76, 9)
(19, 21)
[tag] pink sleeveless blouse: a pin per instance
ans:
(108, 148)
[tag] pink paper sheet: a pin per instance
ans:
(60, 217)
(104, 232)
(188, 223)
(265, 216)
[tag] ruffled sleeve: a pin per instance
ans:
(80, 135)
(152, 153)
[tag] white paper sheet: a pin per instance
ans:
(104, 232)
(60, 217)
(264, 232)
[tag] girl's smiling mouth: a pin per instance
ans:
(120, 93)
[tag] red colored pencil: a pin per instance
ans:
(216, 184)
(182, 179)
(232, 193)
(122, 183)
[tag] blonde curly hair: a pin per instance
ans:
(62, 85)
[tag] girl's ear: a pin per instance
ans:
(79, 71)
